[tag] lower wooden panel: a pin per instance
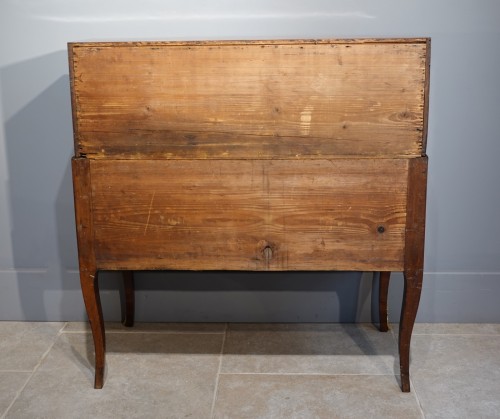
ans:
(341, 214)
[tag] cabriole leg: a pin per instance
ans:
(413, 261)
(90, 291)
(86, 257)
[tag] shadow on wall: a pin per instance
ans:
(38, 144)
(45, 286)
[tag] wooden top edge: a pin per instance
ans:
(423, 40)
(139, 157)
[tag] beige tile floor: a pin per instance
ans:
(248, 371)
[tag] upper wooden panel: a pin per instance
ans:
(253, 99)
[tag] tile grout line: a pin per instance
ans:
(310, 374)
(16, 371)
(216, 389)
(418, 399)
(152, 331)
(146, 332)
(35, 369)
(419, 333)
(457, 334)
(412, 385)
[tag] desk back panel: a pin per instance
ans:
(250, 99)
(250, 215)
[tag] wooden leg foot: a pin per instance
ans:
(99, 378)
(382, 307)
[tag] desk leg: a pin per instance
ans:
(411, 299)
(382, 297)
(414, 261)
(128, 305)
(86, 258)
(90, 291)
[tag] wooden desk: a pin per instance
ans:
(252, 155)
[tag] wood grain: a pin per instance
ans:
(249, 99)
(249, 215)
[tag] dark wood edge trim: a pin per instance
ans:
(83, 214)
(71, 66)
(426, 95)
(415, 214)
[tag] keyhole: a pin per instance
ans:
(268, 252)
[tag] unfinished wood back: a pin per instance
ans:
(250, 99)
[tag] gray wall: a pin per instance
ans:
(38, 258)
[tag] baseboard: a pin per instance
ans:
(452, 297)
(448, 297)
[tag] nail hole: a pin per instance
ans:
(381, 229)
